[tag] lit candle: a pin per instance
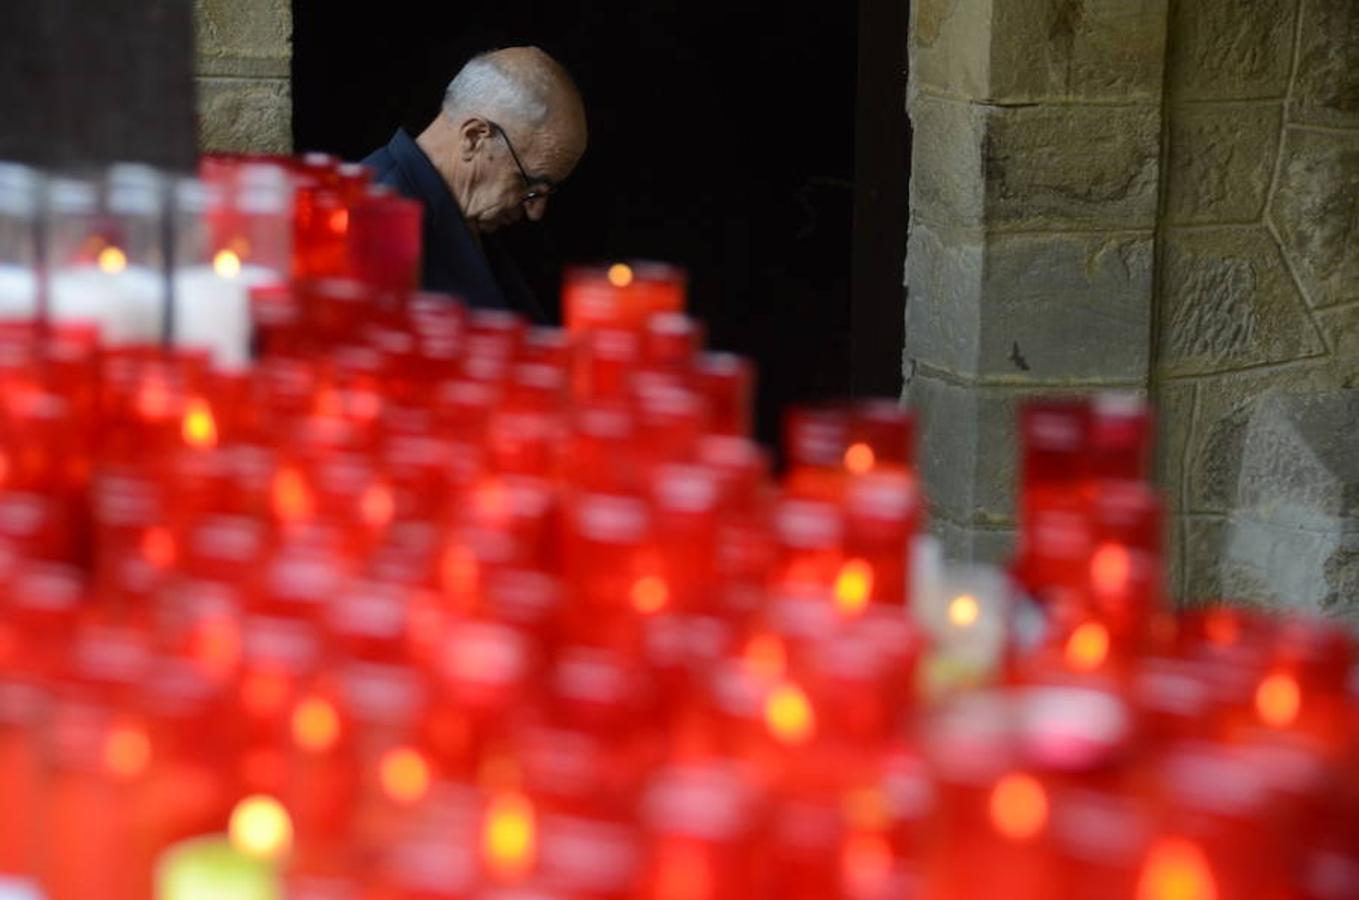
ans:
(210, 868)
(18, 292)
(127, 302)
(212, 307)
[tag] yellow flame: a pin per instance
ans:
(404, 773)
(509, 835)
(260, 826)
(1088, 647)
(315, 725)
(1176, 869)
(199, 428)
(226, 264)
(1278, 700)
(789, 716)
(112, 260)
(964, 610)
(620, 275)
(853, 586)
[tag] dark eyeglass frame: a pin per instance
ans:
(529, 181)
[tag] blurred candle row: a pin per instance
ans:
(425, 603)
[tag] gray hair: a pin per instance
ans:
(484, 87)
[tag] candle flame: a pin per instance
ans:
(127, 751)
(404, 773)
(1278, 700)
(1018, 807)
(1088, 647)
(964, 610)
(1110, 569)
(508, 835)
(261, 827)
(853, 586)
(112, 260)
(1176, 869)
(292, 497)
(338, 221)
(859, 458)
(788, 715)
(649, 594)
(226, 264)
(199, 428)
(315, 725)
(620, 275)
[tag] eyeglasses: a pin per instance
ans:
(547, 187)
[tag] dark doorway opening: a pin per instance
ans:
(722, 138)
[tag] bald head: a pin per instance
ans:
(523, 99)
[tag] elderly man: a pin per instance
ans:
(512, 128)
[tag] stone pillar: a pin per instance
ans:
(1258, 318)
(243, 75)
(1034, 183)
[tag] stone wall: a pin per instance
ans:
(242, 73)
(1035, 173)
(1258, 290)
(1154, 195)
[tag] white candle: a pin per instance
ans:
(128, 305)
(18, 293)
(212, 309)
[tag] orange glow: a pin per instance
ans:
(315, 725)
(859, 458)
(158, 547)
(620, 275)
(1278, 700)
(649, 594)
(292, 497)
(492, 501)
(404, 773)
(153, 398)
(1088, 647)
(788, 715)
(264, 692)
(338, 221)
(865, 863)
(964, 610)
(217, 645)
(199, 428)
(853, 587)
(260, 826)
(1110, 569)
(127, 751)
(459, 569)
(683, 872)
(509, 836)
(766, 658)
(1019, 807)
(112, 260)
(1176, 869)
(1222, 628)
(378, 506)
(226, 264)
(329, 403)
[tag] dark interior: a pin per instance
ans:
(722, 138)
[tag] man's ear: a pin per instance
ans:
(472, 133)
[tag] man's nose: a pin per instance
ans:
(536, 208)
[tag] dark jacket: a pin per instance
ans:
(484, 276)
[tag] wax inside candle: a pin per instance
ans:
(212, 310)
(128, 305)
(18, 295)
